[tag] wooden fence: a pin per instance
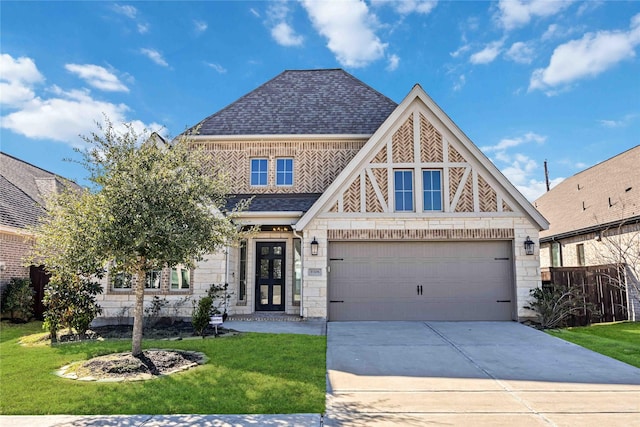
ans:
(600, 286)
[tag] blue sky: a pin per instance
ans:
(525, 80)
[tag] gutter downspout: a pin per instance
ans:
(295, 233)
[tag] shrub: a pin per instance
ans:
(152, 311)
(555, 305)
(220, 299)
(201, 315)
(17, 299)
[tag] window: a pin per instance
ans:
(297, 271)
(432, 189)
(242, 285)
(122, 280)
(580, 253)
(153, 279)
(180, 278)
(403, 182)
(556, 255)
(259, 171)
(284, 171)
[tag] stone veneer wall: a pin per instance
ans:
(526, 267)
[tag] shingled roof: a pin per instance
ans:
(23, 189)
(606, 193)
(304, 102)
(298, 202)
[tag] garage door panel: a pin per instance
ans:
(420, 281)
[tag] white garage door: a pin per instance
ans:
(420, 281)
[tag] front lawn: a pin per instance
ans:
(249, 373)
(618, 340)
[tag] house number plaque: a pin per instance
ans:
(314, 272)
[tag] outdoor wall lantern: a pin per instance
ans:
(314, 247)
(528, 246)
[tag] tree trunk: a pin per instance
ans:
(138, 314)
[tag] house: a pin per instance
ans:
(23, 190)
(595, 217)
(368, 210)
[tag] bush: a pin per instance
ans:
(17, 299)
(555, 305)
(70, 304)
(152, 311)
(201, 315)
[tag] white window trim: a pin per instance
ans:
(251, 171)
(413, 190)
(292, 171)
(441, 189)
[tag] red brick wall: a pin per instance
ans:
(13, 249)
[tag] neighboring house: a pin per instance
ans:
(23, 190)
(594, 218)
(368, 210)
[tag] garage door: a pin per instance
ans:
(420, 281)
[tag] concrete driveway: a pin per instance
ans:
(473, 374)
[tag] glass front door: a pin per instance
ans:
(270, 276)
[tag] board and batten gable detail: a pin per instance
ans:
(417, 145)
(418, 137)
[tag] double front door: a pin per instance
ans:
(270, 276)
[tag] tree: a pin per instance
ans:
(152, 205)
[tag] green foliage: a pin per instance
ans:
(71, 304)
(152, 311)
(247, 374)
(201, 315)
(220, 296)
(554, 305)
(152, 205)
(17, 299)
(618, 340)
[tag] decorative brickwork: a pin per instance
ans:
(438, 234)
(381, 157)
(351, 202)
(488, 197)
(316, 163)
(506, 207)
(430, 142)
(373, 204)
(334, 208)
(402, 143)
(465, 203)
(454, 156)
(381, 179)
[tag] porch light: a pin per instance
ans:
(528, 246)
(314, 247)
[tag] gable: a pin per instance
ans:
(418, 137)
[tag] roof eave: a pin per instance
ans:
(271, 137)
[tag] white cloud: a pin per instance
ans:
(506, 143)
(624, 121)
(394, 62)
(349, 27)
(281, 31)
(217, 67)
(488, 54)
(406, 7)
(462, 49)
(155, 56)
(126, 10)
(98, 77)
(520, 52)
(67, 115)
(589, 56)
(284, 35)
(517, 13)
(254, 12)
(459, 84)
(61, 116)
(200, 26)
(17, 80)
(143, 28)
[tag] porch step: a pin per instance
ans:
(264, 317)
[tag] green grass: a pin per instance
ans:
(249, 373)
(618, 340)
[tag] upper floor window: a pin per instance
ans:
(284, 171)
(259, 171)
(432, 190)
(403, 190)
